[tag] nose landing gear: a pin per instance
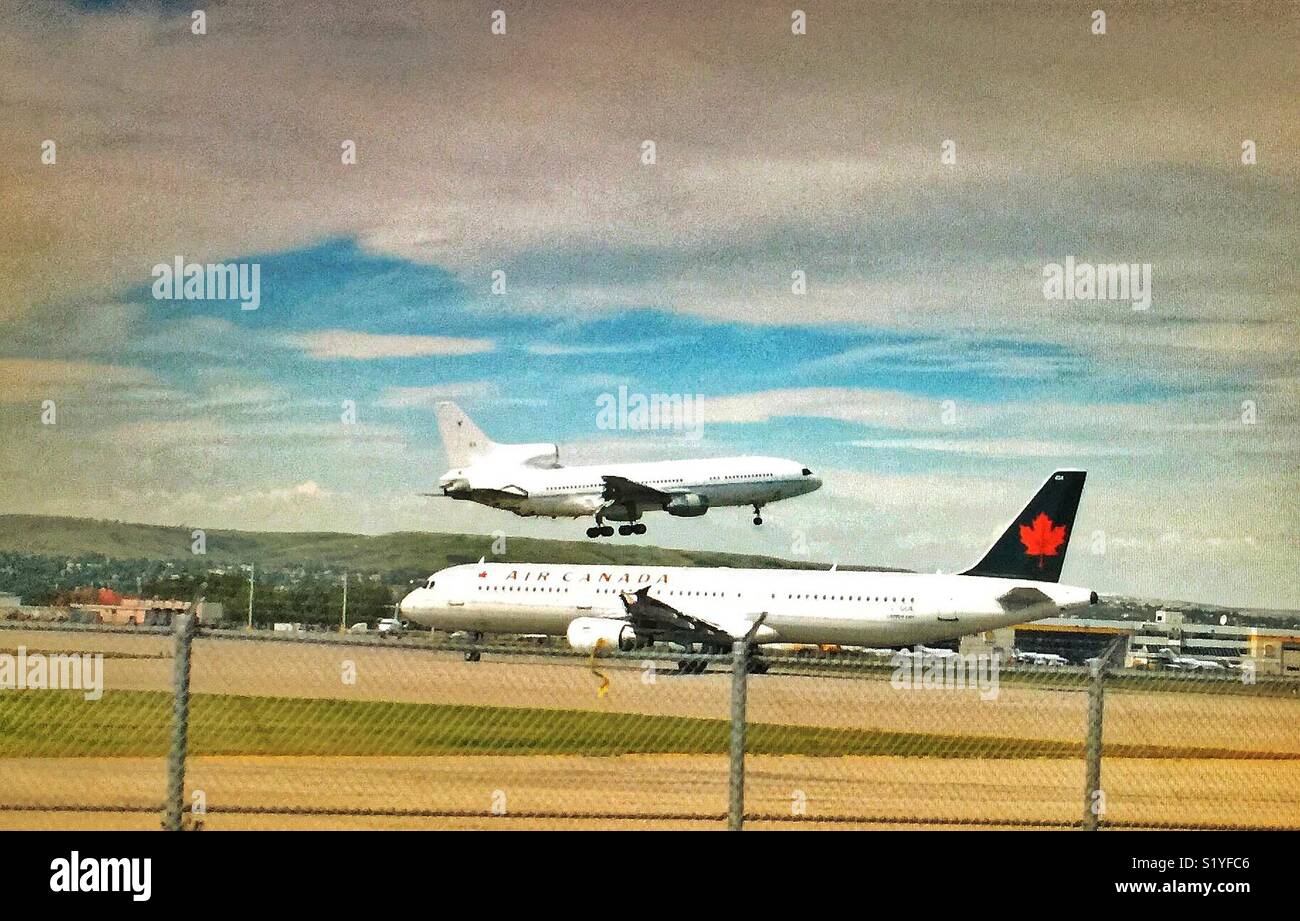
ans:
(758, 513)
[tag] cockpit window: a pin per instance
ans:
(429, 584)
(807, 472)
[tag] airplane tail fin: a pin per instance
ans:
(463, 440)
(1033, 545)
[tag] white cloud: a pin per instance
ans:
(846, 404)
(407, 397)
(990, 447)
(308, 491)
(346, 344)
(28, 379)
(615, 348)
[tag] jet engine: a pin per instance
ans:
(585, 634)
(687, 505)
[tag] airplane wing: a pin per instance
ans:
(652, 617)
(622, 490)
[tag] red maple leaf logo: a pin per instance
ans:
(483, 574)
(1042, 538)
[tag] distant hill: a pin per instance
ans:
(404, 551)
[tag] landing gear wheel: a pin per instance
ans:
(607, 531)
(593, 532)
(758, 519)
(692, 666)
(758, 514)
(625, 530)
(638, 528)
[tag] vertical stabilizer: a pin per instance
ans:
(464, 441)
(1033, 545)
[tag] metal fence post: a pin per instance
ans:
(740, 653)
(185, 625)
(1092, 805)
(739, 685)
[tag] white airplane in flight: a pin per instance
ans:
(626, 607)
(527, 479)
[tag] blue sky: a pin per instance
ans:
(541, 373)
(923, 372)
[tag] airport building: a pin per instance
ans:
(1148, 643)
(141, 612)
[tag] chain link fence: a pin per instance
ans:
(342, 731)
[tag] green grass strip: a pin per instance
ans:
(138, 724)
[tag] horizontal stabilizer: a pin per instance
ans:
(1023, 597)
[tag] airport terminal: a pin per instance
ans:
(1160, 643)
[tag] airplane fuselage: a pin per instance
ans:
(579, 492)
(801, 606)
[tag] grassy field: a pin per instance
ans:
(137, 724)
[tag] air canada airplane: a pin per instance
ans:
(705, 609)
(527, 479)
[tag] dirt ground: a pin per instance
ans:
(671, 790)
(685, 791)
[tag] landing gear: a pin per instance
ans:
(758, 514)
(474, 655)
(694, 666)
(699, 667)
(604, 530)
